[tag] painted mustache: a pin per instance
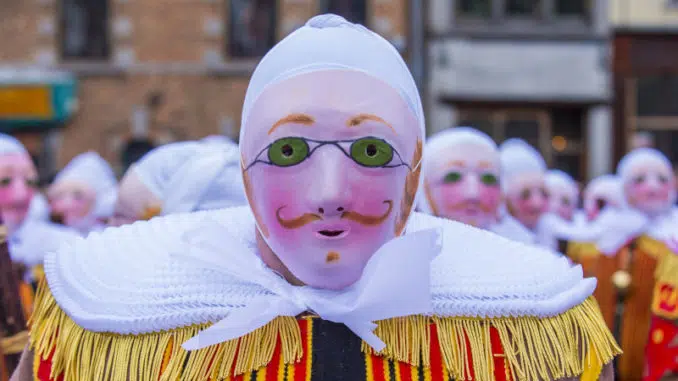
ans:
(57, 218)
(307, 218)
(469, 204)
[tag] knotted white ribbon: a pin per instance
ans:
(396, 282)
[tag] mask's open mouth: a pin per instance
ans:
(331, 233)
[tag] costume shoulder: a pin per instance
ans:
(500, 297)
(482, 274)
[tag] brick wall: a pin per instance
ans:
(162, 47)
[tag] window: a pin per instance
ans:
(522, 8)
(84, 29)
(557, 133)
(652, 113)
(475, 8)
(571, 8)
(657, 96)
(352, 10)
(531, 10)
(252, 27)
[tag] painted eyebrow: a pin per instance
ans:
(485, 164)
(298, 118)
(355, 121)
(459, 163)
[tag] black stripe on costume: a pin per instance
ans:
(336, 353)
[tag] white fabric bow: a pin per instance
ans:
(395, 282)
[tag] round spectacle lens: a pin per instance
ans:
(5, 181)
(452, 177)
(489, 179)
(287, 152)
(371, 152)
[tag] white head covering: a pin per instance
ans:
(218, 139)
(447, 140)
(10, 145)
(191, 176)
(91, 169)
(608, 187)
(321, 44)
(518, 158)
(638, 156)
(557, 179)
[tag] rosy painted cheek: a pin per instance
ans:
(490, 197)
(449, 194)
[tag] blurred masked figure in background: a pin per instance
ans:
(83, 194)
(181, 177)
(462, 182)
(29, 235)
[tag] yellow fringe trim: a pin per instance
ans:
(547, 349)
(579, 250)
(667, 270)
(652, 246)
(14, 344)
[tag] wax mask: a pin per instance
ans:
(603, 192)
(650, 187)
(71, 202)
(463, 185)
(563, 195)
(330, 164)
(18, 183)
(135, 201)
(527, 200)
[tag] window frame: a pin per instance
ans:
(545, 18)
(323, 6)
(108, 36)
(229, 29)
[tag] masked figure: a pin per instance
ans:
(178, 178)
(28, 236)
(462, 182)
(83, 193)
(563, 194)
(325, 275)
(605, 191)
(523, 184)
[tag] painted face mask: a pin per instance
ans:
(81, 193)
(18, 184)
(524, 185)
(649, 181)
(563, 194)
(331, 155)
(461, 177)
(603, 192)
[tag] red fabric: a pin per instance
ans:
(45, 368)
(659, 357)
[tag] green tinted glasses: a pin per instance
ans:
(368, 152)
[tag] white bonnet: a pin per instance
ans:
(190, 176)
(557, 179)
(91, 169)
(329, 42)
(640, 156)
(517, 158)
(10, 145)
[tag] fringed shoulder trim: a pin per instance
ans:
(653, 247)
(552, 348)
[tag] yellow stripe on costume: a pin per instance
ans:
(593, 366)
(369, 368)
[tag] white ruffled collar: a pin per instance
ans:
(126, 280)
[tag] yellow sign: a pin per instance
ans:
(26, 102)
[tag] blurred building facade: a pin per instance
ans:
(645, 75)
(533, 69)
(155, 71)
